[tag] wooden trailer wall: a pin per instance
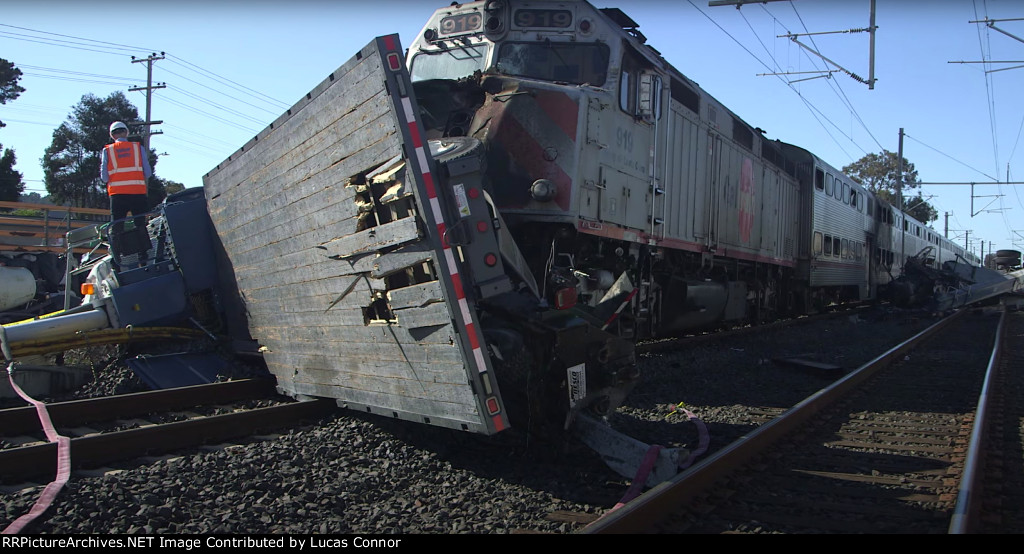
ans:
(322, 228)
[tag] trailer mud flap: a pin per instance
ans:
(335, 222)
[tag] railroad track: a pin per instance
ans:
(393, 477)
(878, 451)
(660, 345)
(1001, 493)
(109, 429)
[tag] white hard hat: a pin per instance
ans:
(117, 125)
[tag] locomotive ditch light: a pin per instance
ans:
(543, 190)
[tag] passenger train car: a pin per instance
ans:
(621, 173)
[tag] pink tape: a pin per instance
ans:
(640, 479)
(63, 461)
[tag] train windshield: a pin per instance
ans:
(449, 61)
(568, 62)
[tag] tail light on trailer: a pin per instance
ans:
(565, 298)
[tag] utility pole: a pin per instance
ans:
(945, 231)
(899, 188)
(149, 96)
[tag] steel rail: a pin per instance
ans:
(654, 346)
(968, 501)
(638, 515)
(21, 420)
(94, 450)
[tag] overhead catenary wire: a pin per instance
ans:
(845, 98)
(815, 112)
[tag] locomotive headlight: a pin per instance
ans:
(543, 190)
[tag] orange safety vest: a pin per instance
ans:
(124, 165)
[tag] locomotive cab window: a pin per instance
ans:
(575, 63)
(639, 89)
(449, 63)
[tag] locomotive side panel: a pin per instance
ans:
(684, 176)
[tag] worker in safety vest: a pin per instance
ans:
(124, 167)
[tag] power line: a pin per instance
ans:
(215, 105)
(214, 76)
(210, 115)
(79, 43)
(87, 40)
(990, 94)
(950, 157)
(806, 102)
(220, 92)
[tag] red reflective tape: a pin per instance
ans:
(499, 423)
(460, 293)
(440, 232)
(414, 129)
(619, 310)
(428, 183)
(474, 341)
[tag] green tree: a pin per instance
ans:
(34, 198)
(9, 88)
(880, 174)
(11, 185)
(71, 164)
(170, 187)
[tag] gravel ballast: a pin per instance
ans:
(361, 474)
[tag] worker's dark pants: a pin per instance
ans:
(120, 205)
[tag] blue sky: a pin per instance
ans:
(231, 67)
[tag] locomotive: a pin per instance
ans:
(615, 167)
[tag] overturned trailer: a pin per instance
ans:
(372, 268)
(954, 284)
